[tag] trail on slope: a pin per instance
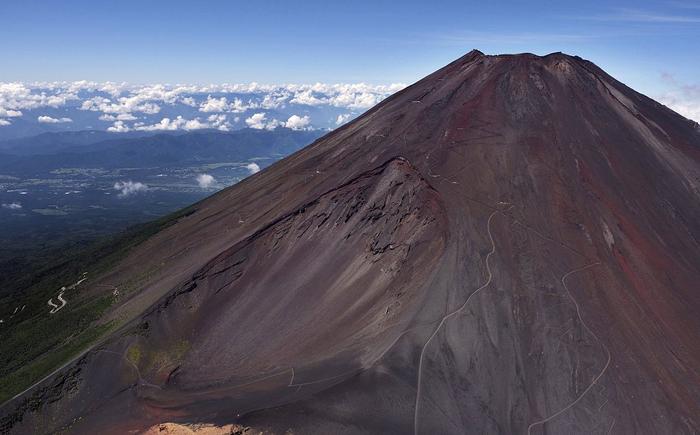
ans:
(585, 326)
(448, 316)
(486, 284)
(490, 276)
(55, 308)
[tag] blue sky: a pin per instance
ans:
(651, 45)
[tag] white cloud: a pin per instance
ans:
(342, 119)
(127, 188)
(218, 105)
(49, 120)
(188, 101)
(306, 97)
(350, 96)
(118, 127)
(123, 102)
(164, 124)
(689, 109)
(126, 117)
(275, 99)
(193, 124)
(12, 206)
(355, 100)
(17, 96)
(214, 105)
(140, 102)
(296, 122)
(219, 122)
(113, 89)
(179, 123)
(681, 97)
(9, 113)
(256, 121)
(254, 168)
(238, 106)
(259, 121)
(216, 121)
(205, 180)
(120, 117)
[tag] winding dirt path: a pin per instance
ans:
(490, 276)
(495, 210)
(448, 316)
(61, 300)
(55, 308)
(585, 326)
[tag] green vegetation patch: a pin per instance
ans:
(20, 379)
(169, 357)
(33, 342)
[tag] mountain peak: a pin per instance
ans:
(480, 252)
(475, 52)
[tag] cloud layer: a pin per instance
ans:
(120, 107)
(684, 98)
(49, 120)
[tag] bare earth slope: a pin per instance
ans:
(510, 245)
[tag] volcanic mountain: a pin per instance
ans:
(510, 245)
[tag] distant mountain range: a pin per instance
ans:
(90, 149)
(52, 142)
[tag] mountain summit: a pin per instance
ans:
(510, 245)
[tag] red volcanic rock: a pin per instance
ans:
(509, 245)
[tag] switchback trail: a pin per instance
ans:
(446, 317)
(585, 326)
